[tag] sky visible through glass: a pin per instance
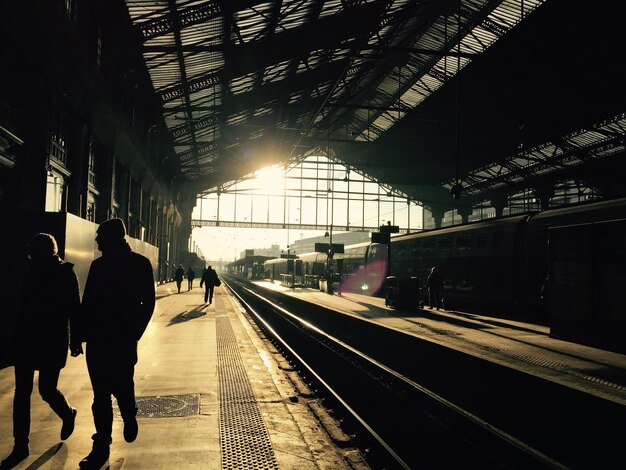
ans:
(314, 192)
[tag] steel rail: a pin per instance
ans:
(499, 433)
(330, 389)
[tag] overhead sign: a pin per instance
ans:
(390, 228)
(325, 247)
(378, 237)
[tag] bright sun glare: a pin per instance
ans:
(269, 180)
(260, 199)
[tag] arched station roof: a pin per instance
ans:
(419, 94)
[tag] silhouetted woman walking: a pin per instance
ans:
(191, 275)
(49, 309)
(178, 276)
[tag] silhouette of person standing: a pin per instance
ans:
(191, 275)
(435, 286)
(210, 281)
(178, 276)
(49, 311)
(117, 305)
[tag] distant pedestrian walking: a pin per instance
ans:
(210, 281)
(116, 310)
(191, 275)
(435, 286)
(48, 315)
(178, 276)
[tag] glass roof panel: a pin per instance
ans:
(331, 7)
(382, 84)
(320, 90)
(397, 5)
(200, 95)
(587, 138)
(295, 13)
(253, 21)
(237, 118)
(262, 111)
(276, 72)
(144, 10)
(197, 64)
(607, 152)
(242, 84)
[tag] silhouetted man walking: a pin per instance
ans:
(178, 276)
(49, 311)
(435, 286)
(210, 281)
(117, 306)
(191, 275)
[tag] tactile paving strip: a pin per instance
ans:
(244, 440)
(556, 366)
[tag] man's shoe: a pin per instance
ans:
(68, 424)
(96, 459)
(131, 429)
(18, 454)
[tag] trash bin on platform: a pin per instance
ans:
(402, 292)
(393, 291)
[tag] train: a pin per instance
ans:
(495, 266)
(274, 268)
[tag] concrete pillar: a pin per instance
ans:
(162, 241)
(122, 182)
(437, 214)
(26, 190)
(134, 207)
(186, 203)
(78, 135)
(499, 202)
(152, 224)
(465, 213)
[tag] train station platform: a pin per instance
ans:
(211, 395)
(523, 346)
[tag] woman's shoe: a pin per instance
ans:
(96, 459)
(18, 454)
(68, 424)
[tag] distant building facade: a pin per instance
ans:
(307, 245)
(272, 252)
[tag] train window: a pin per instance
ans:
(374, 251)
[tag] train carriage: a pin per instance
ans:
(479, 261)
(495, 266)
(535, 257)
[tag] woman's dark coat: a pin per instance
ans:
(49, 311)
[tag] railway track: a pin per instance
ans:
(414, 404)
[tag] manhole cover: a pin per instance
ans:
(169, 406)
